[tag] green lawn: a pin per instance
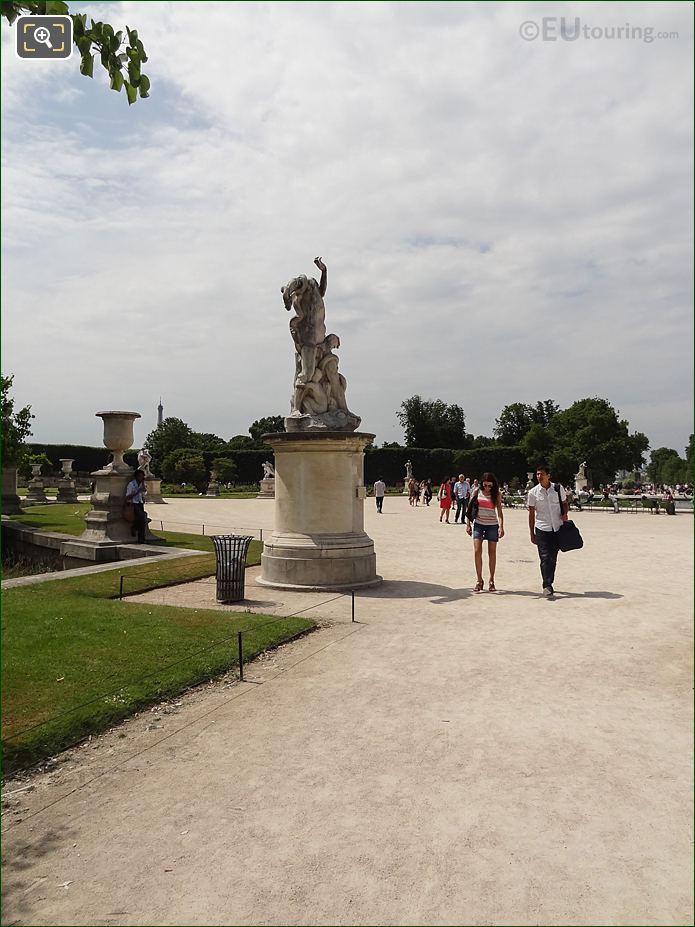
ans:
(69, 519)
(75, 660)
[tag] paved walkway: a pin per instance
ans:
(451, 759)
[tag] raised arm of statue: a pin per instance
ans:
(323, 283)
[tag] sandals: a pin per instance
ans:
(479, 586)
(491, 587)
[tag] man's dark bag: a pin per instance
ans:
(568, 535)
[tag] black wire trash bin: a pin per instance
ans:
(230, 553)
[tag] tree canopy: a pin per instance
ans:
(185, 465)
(432, 423)
(516, 420)
(590, 430)
(16, 426)
(269, 425)
(121, 58)
(666, 466)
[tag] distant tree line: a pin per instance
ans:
(589, 430)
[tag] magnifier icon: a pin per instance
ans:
(42, 35)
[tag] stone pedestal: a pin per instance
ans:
(267, 489)
(35, 491)
(319, 540)
(213, 488)
(66, 491)
(10, 499)
(154, 492)
(105, 521)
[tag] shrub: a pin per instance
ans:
(185, 465)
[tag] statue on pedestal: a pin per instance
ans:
(144, 460)
(581, 480)
(268, 471)
(318, 400)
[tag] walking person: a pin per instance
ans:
(444, 496)
(379, 493)
(486, 523)
(135, 493)
(462, 490)
(427, 492)
(547, 509)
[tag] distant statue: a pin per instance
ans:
(144, 460)
(268, 471)
(318, 398)
(581, 480)
(408, 470)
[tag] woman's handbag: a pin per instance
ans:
(129, 512)
(569, 537)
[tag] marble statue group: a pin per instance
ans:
(318, 399)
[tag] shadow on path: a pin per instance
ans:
(562, 595)
(408, 589)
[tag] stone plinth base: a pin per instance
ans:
(66, 491)
(10, 499)
(319, 540)
(267, 489)
(35, 492)
(105, 521)
(213, 489)
(154, 492)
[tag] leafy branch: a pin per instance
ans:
(121, 58)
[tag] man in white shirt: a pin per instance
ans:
(379, 493)
(547, 509)
(462, 490)
(135, 493)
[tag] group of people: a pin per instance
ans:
(478, 506)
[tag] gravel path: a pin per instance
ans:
(450, 758)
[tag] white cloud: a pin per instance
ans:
(465, 187)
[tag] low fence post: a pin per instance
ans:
(352, 603)
(261, 538)
(120, 587)
(203, 530)
(241, 656)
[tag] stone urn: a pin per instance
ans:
(213, 485)
(66, 463)
(105, 523)
(118, 437)
(35, 491)
(66, 486)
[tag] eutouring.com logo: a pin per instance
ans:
(566, 29)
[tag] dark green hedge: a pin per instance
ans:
(385, 462)
(249, 464)
(86, 459)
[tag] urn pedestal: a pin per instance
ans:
(154, 491)
(213, 486)
(267, 489)
(35, 491)
(319, 540)
(105, 521)
(10, 498)
(66, 491)
(66, 485)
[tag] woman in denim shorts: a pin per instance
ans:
(486, 523)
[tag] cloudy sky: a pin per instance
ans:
(503, 218)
